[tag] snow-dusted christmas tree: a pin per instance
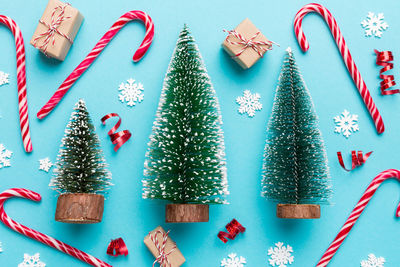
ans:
(295, 169)
(185, 161)
(81, 167)
(81, 174)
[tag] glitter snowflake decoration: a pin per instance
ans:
(4, 78)
(5, 156)
(233, 261)
(45, 164)
(346, 123)
(373, 261)
(249, 103)
(131, 92)
(280, 255)
(32, 261)
(374, 25)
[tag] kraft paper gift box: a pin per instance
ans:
(175, 258)
(236, 47)
(57, 29)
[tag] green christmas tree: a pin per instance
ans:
(295, 167)
(81, 167)
(185, 161)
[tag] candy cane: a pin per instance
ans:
(45, 239)
(87, 62)
(355, 214)
(344, 50)
(21, 79)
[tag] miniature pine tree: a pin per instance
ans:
(295, 169)
(185, 161)
(81, 167)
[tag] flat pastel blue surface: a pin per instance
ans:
(126, 214)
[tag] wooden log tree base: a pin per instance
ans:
(186, 213)
(298, 211)
(80, 208)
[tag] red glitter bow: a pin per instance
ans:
(162, 258)
(258, 46)
(53, 28)
(118, 139)
(383, 59)
(117, 247)
(234, 228)
(357, 159)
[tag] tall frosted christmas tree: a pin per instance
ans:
(295, 170)
(81, 175)
(185, 161)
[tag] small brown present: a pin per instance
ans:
(170, 256)
(57, 29)
(246, 44)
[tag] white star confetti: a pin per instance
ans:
(32, 261)
(45, 164)
(233, 261)
(280, 255)
(249, 103)
(346, 123)
(131, 92)
(4, 78)
(373, 261)
(374, 25)
(5, 156)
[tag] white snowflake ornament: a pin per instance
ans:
(32, 261)
(374, 25)
(4, 78)
(131, 92)
(5, 156)
(45, 164)
(249, 103)
(280, 255)
(346, 123)
(373, 261)
(233, 261)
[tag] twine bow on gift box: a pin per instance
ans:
(53, 28)
(259, 46)
(162, 258)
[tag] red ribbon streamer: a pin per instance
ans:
(117, 247)
(357, 159)
(383, 59)
(118, 139)
(234, 228)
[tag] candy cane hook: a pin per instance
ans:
(344, 50)
(21, 80)
(45, 239)
(86, 63)
(355, 214)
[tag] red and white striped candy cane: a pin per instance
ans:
(86, 63)
(344, 50)
(355, 214)
(45, 239)
(21, 80)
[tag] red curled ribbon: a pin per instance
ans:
(118, 139)
(383, 59)
(117, 247)
(357, 159)
(258, 46)
(234, 228)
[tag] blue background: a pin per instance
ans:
(126, 213)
